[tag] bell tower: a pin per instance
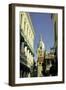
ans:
(40, 56)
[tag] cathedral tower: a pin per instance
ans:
(40, 56)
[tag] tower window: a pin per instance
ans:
(40, 47)
(40, 63)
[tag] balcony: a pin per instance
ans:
(27, 41)
(24, 60)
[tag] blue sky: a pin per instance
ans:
(43, 25)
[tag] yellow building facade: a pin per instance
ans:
(27, 32)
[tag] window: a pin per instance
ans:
(24, 24)
(27, 28)
(40, 47)
(29, 33)
(20, 21)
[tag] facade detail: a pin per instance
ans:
(26, 45)
(48, 62)
(40, 57)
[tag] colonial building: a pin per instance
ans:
(40, 56)
(26, 45)
(48, 63)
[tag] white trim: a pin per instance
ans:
(17, 40)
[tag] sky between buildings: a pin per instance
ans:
(43, 25)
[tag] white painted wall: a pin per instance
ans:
(4, 45)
